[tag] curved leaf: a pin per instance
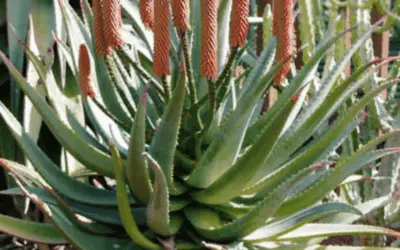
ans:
(249, 222)
(137, 173)
(332, 180)
(51, 173)
(128, 221)
(237, 177)
(88, 155)
(31, 231)
(108, 215)
(163, 145)
(310, 231)
(158, 207)
(287, 224)
(225, 147)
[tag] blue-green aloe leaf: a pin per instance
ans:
(163, 145)
(108, 215)
(249, 222)
(51, 173)
(282, 226)
(332, 180)
(158, 218)
(224, 149)
(31, 231)
(137, 172)
(313, 153)
(237, 177)
(18, 18)
(301, 79)
(312, 230)
(88, 155)
(128, 221)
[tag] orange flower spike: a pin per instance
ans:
(283, 28)
(84, 72)
(100, 43)
(112, 20)
(180, 13)
(239, 23)
(161, 37)
(209, 43)
(146, 9)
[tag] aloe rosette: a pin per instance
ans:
(178, 153)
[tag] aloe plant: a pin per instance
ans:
(178, 152)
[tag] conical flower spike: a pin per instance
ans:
(161, 38)
(112, 21)
(209, 43)
(180, 13)
(84, 72)
(283, 28)
(101, 46)
(146, 8)
(239, 23)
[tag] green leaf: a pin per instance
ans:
(51, 173)
(332, 180)
(300, 80)
(224, 10)
(88, 155)
(310, 231)
(18, 19)
(108, 215)
(234, 209)
(94, 227)
(203, 218)
(163, 145)
(176, 222)
(82, 239)
(365, 207)
(137, 172)
(224, 149)
(322, 106)
(22, 171)
(237, 177)
(284, 246)
(158, 207)
(287, 224)
(44, 23)
(249, 222)
(262, 65)
(131, 9)
(84, 133)
(31, 231)
(323, 144)
(125, 212)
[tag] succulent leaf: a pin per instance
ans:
(163, 145)
(51, 173)
(137, 172)
(32, 231)
(124, 209)
(157, 215)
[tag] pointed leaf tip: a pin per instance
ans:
(158, 218)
